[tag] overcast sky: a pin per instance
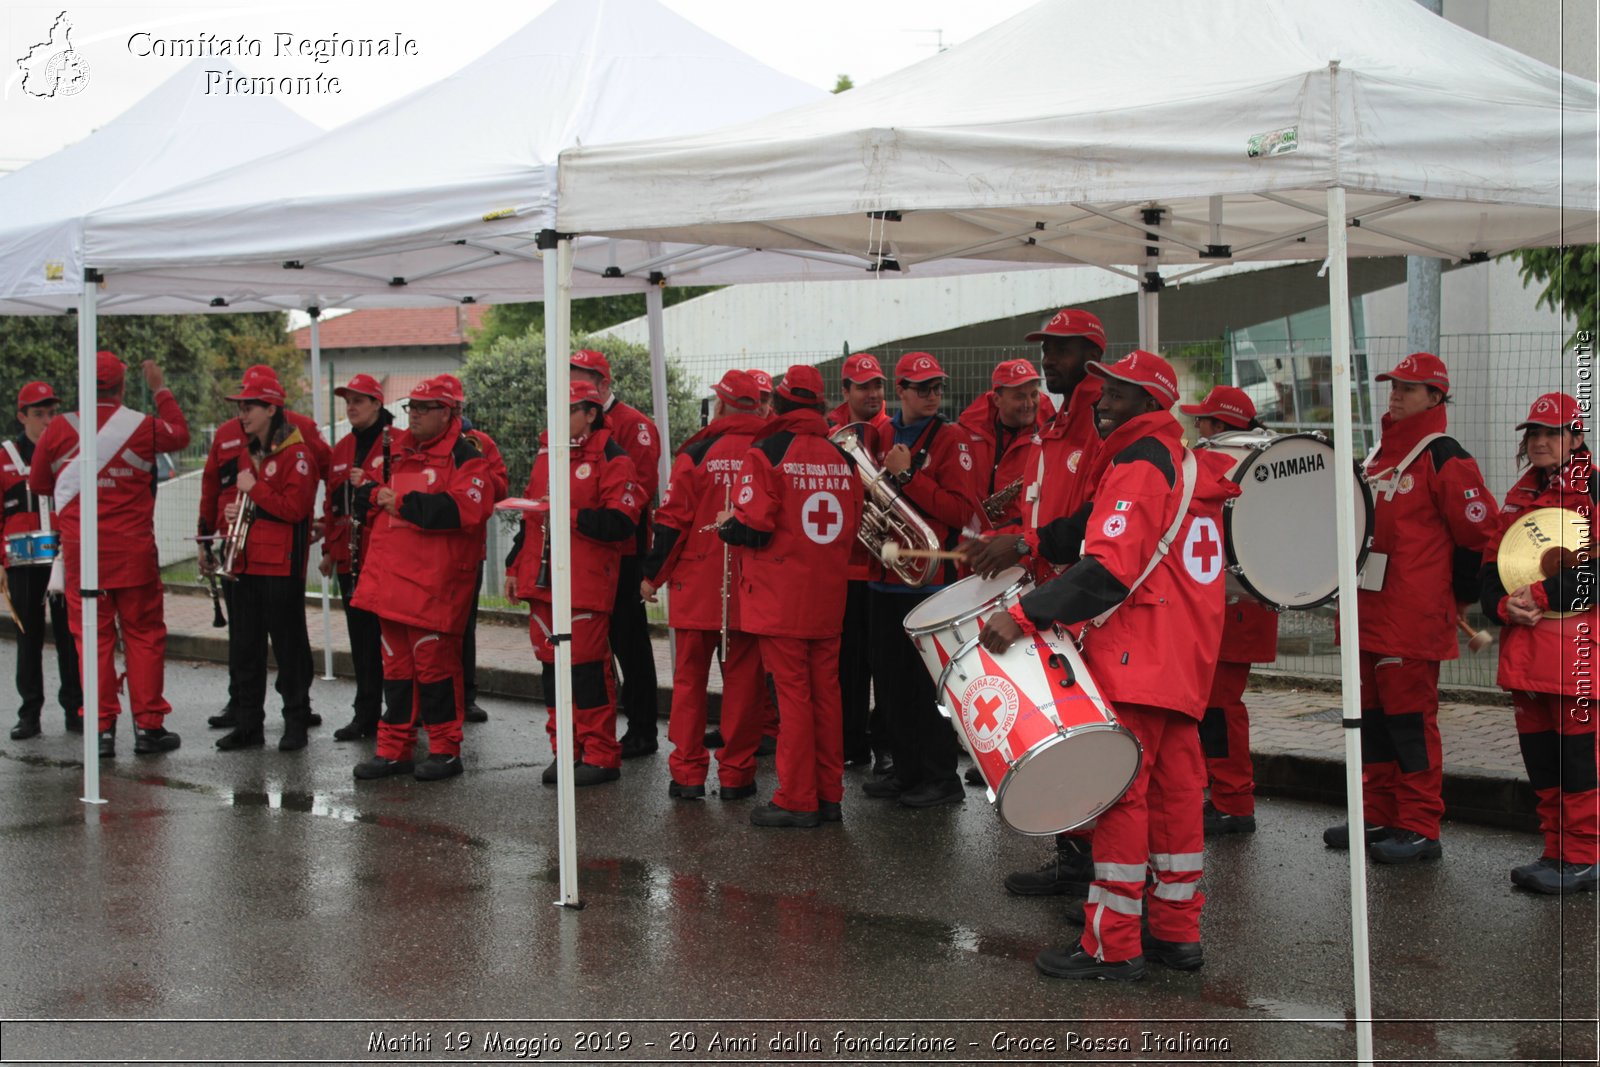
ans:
(815, 41)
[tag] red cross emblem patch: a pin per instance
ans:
(822, 518)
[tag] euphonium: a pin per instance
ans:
(887, 516)
(238, 534)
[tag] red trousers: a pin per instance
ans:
(1157, 828)
(1402, 759)
(1225, 737)
(594, 687)
(1557, 734)
(811, 738)
(743, 690)
(421, 681)
(137, 612)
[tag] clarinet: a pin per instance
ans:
(350, 511)
(214, 584)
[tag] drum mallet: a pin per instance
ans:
(891, 552)
(1477, 640)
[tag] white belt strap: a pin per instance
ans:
(1388, 488)
(1189, 469)
(109, 442)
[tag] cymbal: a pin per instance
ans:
(1539, 544)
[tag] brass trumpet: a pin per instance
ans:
(888, 517)
(238, 534)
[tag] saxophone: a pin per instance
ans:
(887, 516)
(995, 506)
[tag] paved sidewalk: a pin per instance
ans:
(1295, 733)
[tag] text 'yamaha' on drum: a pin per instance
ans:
(1049, 747)
(1281, 531)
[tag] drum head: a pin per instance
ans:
(1282, 530)
(1069, 780)
(961, 600)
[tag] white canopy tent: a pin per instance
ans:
(1182, 134)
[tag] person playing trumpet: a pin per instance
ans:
(277, 479)
(687, 557)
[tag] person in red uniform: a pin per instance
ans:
(1054, 494)
(764, 391)
(130, 571)
(1433, 517)
(931, 462)
(217, 489)
(1152, 657)
(275, 473)
(606, 505)
(796, 513)
(345, 543)
(630, 628)
(1004, 424)
(502, 482)
(866, 728)
(1548, 652)
(427, 524)
(702, 573)
(1249, 635)
(27, 584)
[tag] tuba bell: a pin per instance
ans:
(887, 516)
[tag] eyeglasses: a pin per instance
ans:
(421, 407)
(924, 388)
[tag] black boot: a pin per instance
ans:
(25, 729)
(226, 719)
(154, 740)
(356, 729)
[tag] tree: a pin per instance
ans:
(507, 387)
(1571, 279)
(843, 83)
(588, 315)
(203, 355)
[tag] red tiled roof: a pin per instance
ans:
(397, 327)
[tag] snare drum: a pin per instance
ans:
(1049, 747)
(1281, 531)
(942, 624)
(38, 548)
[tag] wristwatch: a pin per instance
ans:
(903, 477)
(1022, 546)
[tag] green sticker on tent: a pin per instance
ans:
(1276, 143)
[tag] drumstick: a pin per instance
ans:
(1477, 640)
(892, 552)
(6, 592)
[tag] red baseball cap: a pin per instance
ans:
(739, 390)
(35, 393)
(800, 379)
(262, 385)
(1420, 368)
(1013, 372)
(436, 390)
(1225, 404)
(108, 369)
(589, 359)
(1072, 322)
(863, 368)
(361, 385)
(917, 367)
(583, 393)
(1554, 409)
(457, 390)
(1146, 370)
(763, 381)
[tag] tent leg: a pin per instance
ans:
(660, 407)
(316, 416)
(1349, 626)
(558, 375)
(89, 536)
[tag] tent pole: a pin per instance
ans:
(654, 304)
(558, 375)
(89, 536)
(1349, 627)
(316, 417)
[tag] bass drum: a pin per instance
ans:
(1281, 531)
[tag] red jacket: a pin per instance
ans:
(1557, 655)
(353, 450)
(285, 494)
(499, 478)
(21, 514)
(1249, 632)
(1159, 647)
(630, 428)
(217, 488)
(864, 566)
(941, 489)
(1065, 451)
(1433, 531)
(423, 562)
(127, 486)
(605, 508)
(686, 556)
(795, 514)
(1018, 462)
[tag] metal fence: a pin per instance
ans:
(1494, 377)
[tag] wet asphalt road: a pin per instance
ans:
(268, 886)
